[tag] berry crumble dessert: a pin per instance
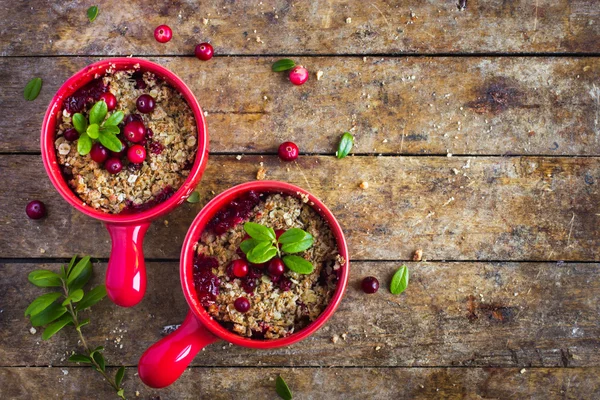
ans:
(266, 265)
(126, 141)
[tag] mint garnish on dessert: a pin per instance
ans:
(105, 131)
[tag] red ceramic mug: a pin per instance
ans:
(164, 362)
(126, 272)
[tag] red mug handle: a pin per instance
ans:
(126, 272)
(164, 361)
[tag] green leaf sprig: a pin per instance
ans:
(55, 310)
(282, 389)
(345, 145)
(283, 65)
(263, 245)
(92, 13)
(97, 128)
(399, 280)
(32, 89)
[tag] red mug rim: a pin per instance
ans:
(198, 225)
(86, 75)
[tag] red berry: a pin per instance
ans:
(134, 131)
(276, 267)
(149, 133)
(35, 209)
(370, 284)
(145, 104)
(71, 134)
(239, 268)
(241, 304)
(278, 233)
(163, 33)
(110, 100)
(113, 165)
(288, 151)
(298, 75)
(121, 153)
(99, 153)
(204, 51)
(133, 117)
(136, 154)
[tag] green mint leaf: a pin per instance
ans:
(99, 358)
(119, 376)
(295, 240)
(80, 123)
(93, 131)
(292, 235)
(110, 141)
(282, 389)
(54, 311)
(260, 232)
(115, 119)
(74, 297)
(298, 264)
(194, 198)
(80, 274)
(346, 143)
(84, 144)
(56, 326)
(98, 112)
(80, 358)
(262, 253)
(41, 303)
(45, 278)
(110, 129)
(92, 13)
(92, 297)
(248, 244)
(283, 65)
(71, 264)
(298, 247)
(63, 272)
(399, 280)
(121, 393)
(32, 89)
(78, 268)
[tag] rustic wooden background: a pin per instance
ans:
(507, 303)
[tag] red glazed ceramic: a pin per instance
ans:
(126, 273)
(164, 362)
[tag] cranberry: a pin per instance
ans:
(163, 33)
(99, 153)
(278, 233)
(156, 147)
(285, 284)
(234, 213)
(276, 267)
(239, 268)
(205, 282)
(149, 133)
(145, 104)
(134, 131)
(136, 154)
(87, 94)
(241, 304)
(134, 167)
(121, 153)
(71, 134)
(370, 284)
(204, 51)
(133, 117)
(298, 75)
(249, 285)
(288, 151)
(113, 165)
(35, 209)
(110, 100)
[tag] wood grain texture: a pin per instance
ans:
(458, 208)
(494, 106)
(315, 383)
(285, 26)
(452, 314)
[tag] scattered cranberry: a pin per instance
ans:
(241, 304)
(113, 165)
(239, 268)
(163, 33)
(145, 104)
(204, 51)
(122, 152)
(278, 233)
(35, 209)
(71, 134)
(370, 284)
(99, 153)
(134, 131)
(205, 282)
(133, 117)
(234, 213)
(276, 267)
(136, 154)
(298, 75)
(88, 94)
(288, 151)
(110, 100)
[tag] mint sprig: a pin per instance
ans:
(105, 131)
(263, 245)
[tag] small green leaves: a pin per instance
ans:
(44, 278)
(80, 123)
(110, 141)
(346, 143)
(298, 264)
(115, 119)
(282, 389)
(52, 312)
(56, 326)
(92, 297)
(80, 274)
(248, 245)
(99, 358)
(41, 303)
(110, 130)
(260, 232)
(93, 131)
(32, 89)
(74, 297)
(80, 358)
(98, 112)
(283, 65)
(84, 144)
(119, 376)
(92, 13)
(262, 253)
(194, 198)
(399, 280)
(295, 240)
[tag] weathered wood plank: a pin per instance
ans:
(315, 383)
(482, 208)
(398, 105)
(283, 26)
(452, 314)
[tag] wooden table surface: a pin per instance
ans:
(478, 131)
